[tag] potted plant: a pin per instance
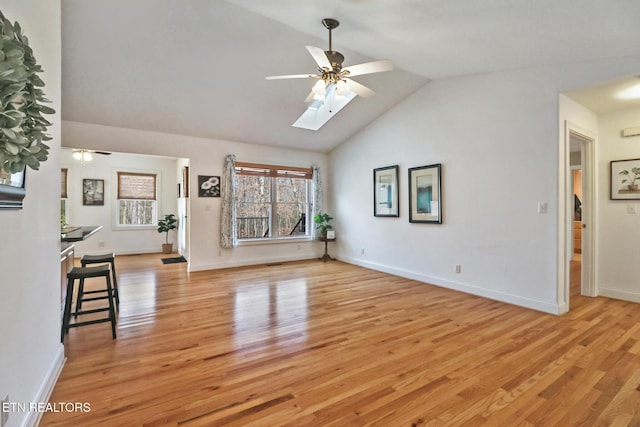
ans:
(165, 225)
(323, 221)
(631, 179)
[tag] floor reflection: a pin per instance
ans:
(137, 298)
(280, 308)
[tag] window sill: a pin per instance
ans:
(274, 240)
(133, 227)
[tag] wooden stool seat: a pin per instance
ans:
(82, 273)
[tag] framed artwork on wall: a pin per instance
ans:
(385, 192)
(12, 189)
(625, 180)
(208, 186)
(425, 194)
(93, 192)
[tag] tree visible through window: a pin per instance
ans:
(271, 201)
(136, 204)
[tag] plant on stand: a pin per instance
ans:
(323, 221)
(168, 223)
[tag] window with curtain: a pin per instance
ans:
(136, 203)
(272, 201)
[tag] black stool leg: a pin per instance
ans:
(112, 312)
(79, 297)
(67, 310)
(115, 284)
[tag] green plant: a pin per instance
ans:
(636, 175)
(22, 126)
(168, 223)
(323, 221)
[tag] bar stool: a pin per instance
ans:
(82, 273)
(98, 259)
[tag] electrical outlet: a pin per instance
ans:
(101, 244)
(4, 415)
(631, 209)
(458, 268)
(362, 251)
(542, 207)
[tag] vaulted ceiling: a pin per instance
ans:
(197, 67)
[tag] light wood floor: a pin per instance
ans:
(315, 344)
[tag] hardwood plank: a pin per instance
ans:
(312, 343)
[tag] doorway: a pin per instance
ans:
(579, 214)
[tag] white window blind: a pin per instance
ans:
(136, 186)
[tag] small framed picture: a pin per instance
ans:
(625, 179)
(331, 234)
(93, 192)
(385, 191)
(208, 186)
(425, 194)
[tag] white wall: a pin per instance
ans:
(619, 232)
(496, 136)
(110, 238)
(206, 157)
(30, 351)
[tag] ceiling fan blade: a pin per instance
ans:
(359, 89)
(368, 68)
(293, 76)
(320, 57)
(104, 153)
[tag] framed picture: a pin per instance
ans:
(425, 194)
(625, 179)
(385, 191)
(208, 186)
(93, 192)
(12, 189)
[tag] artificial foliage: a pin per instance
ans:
(22, 125)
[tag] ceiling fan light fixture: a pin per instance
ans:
(319, 90)
(82, 156)
(342, 88)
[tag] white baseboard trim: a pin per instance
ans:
(247, 262)
(46, 388)
(80, 254)
(530, 303)
(618, 294)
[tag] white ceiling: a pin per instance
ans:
(197, 67)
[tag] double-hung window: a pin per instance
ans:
(272, 201)
(136, 203)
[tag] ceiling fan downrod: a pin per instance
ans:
(335, 58)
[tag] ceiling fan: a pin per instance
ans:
(87, 155)
(333, 79)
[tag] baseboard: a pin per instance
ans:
(248, 262)
(530, 303)
(618, 294)
(46, 388)
(80, 254)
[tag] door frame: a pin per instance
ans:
(565, 219)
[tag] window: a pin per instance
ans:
(64, 218)
(272, 201)
(136, 199)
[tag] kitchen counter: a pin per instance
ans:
(77, 234)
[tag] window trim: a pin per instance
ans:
(277, 171)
